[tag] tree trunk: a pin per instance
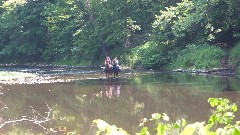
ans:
(93, 20)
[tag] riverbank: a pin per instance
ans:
(214, 71)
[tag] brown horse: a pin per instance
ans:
(108, 69)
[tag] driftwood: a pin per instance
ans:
(37, 119)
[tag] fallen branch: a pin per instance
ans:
(37, 119)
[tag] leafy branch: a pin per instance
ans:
(224, 114)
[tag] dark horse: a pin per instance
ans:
(115, 70)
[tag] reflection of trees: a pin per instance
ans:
(217, 83)
(229, 83)
(19, 98)
(73, 106)
(181, 95)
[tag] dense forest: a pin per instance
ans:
(142, 33)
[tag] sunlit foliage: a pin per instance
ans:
(83, 32)
(11, 4)
(199, 57)
(224, 114)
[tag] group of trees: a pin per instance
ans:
(150, 33)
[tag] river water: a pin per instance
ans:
(71, 106)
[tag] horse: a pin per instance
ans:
(108, 69)
(115, 70)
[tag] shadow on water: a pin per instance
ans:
(70, 107)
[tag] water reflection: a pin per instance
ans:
(112, 86)
(123, 102)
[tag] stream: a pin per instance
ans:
(72, 98)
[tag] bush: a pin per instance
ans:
(149, 56)
(198, 56)
(235, 53)
(235, 56)
(219, 123)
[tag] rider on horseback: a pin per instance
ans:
(108, 66)
(111, 67)
(115, 62)
(108, 63)
(116, 68)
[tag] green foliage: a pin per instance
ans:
(24, 39)
(177, 22)
(198, 56)
(83, 31)
(224, 111)
(105, 128)
(149, 55)
(186, 19)
(235, 55)
(61, 20)
(224, 114)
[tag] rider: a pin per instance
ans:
(107, 62)
(115, 62)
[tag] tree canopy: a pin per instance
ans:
(83, 32)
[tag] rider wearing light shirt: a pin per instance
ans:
(115, 62)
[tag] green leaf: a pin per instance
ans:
(160, 129)
(236, 131)
(176, 125)
(207, 130)
(234, 108)
(144, 131)
(188, 130)
(179, 123)
(183, 122)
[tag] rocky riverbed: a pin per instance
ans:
(13, 77)
(33, 74)
(214, 71)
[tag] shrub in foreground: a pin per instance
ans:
(219, 123)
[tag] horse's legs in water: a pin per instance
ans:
(116, 74)
(115, 71)
(107, 73)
